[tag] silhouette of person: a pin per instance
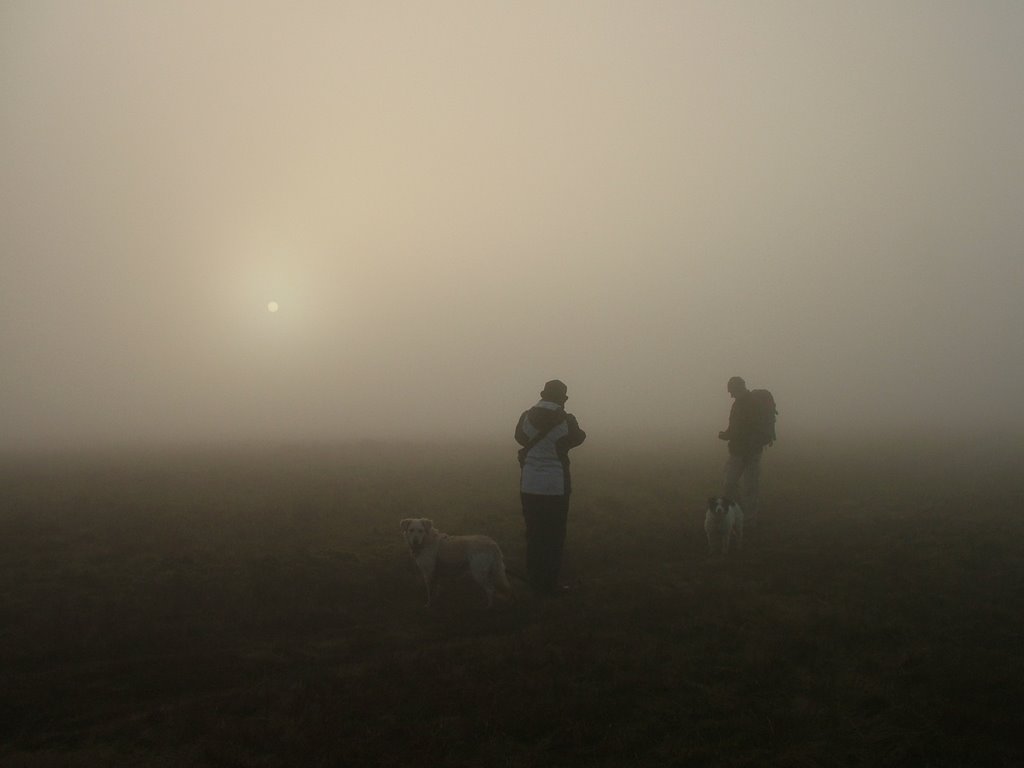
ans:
(546, 433)
(743, 467)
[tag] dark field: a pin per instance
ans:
(257, 606)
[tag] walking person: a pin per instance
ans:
(751, 428)
(546, 433)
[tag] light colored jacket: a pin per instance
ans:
(546, 469)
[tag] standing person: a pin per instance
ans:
(751, 428)
(546, 433)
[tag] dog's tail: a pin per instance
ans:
(515, 574)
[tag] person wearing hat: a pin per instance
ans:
(546, 433)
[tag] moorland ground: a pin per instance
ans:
(257, 606)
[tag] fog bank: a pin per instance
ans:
(452, 204)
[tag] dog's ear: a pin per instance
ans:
(711, 501)
(406, 523)
(428, 525)
(727, 502)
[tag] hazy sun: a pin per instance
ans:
(272, 306)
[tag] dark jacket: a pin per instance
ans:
(743, 433)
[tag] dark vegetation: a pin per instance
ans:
(258, 607)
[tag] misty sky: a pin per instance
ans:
(455, 201)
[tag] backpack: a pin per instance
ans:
(764, 416)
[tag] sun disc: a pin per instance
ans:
(272, 306)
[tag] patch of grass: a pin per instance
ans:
(258, 607)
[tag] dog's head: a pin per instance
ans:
(719, 505)
(416, 530)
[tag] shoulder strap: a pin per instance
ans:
(539, 436)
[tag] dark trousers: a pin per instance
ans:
(545, 518)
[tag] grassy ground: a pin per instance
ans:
(257, 607)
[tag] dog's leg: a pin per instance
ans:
(438, 586)
(430, 578)
(480, 567)
(738, 533)
(500, 580)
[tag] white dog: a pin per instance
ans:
(438, 554)
(723, 523)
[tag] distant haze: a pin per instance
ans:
(452, 202)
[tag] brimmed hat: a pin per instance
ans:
(555, 391)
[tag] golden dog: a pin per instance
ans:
(438, 554)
